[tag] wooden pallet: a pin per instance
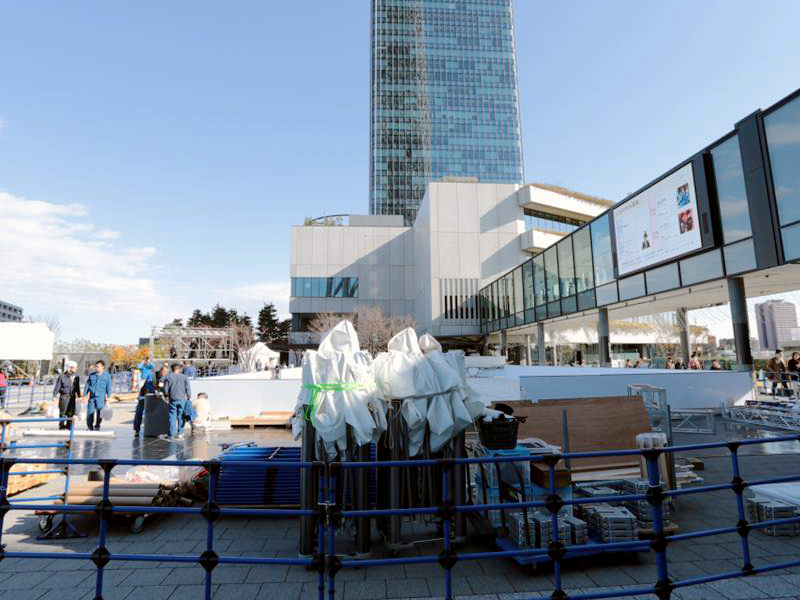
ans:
(280, 418)
(21, 483)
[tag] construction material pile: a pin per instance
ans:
(343, 385)
(122, 493)
(761, 509)
(609, 523)
(20, 483)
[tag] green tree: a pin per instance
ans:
(268, 324)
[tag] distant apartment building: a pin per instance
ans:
(10, 312)
(775, 320)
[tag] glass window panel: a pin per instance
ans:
(631, 287)
(529, 316)
(551, 273)
(791, 242)
(539, 288)
(527, 276)
(783, 142)
(733, 209)
(702, 267)
(541, 312)
(337, 287)
(601, 250)
(294, 286)
(554, 309)
(566, 268)
(329, 286)
(739, 257)
(663, 278)
(582, 245)
(586, 300)
(569, 305)
(517, 280)
(353, 287)
(308, 287)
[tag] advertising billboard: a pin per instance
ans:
(658, 224)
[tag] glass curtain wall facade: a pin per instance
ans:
(444, 98)
(578, 272)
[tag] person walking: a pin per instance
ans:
(97, 391)
(66, 392)
(146, 369)
(793, 372)
(3, 388)
(178, 391)
(776, 370)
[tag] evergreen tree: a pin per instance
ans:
(268, 324)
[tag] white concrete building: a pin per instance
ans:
(465, 235)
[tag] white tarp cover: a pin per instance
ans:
(344, 386)
(431, 387)
(338, 389)
(26, 341)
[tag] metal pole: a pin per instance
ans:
(683, 326)
(459, 479)
(362, 502)
(394, 472)
(542, 350)
(604, 337)
(741, 327)
(308, 497)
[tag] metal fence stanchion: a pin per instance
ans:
(332, 516)
(104, 509)
(556, 547)
(738, 486)
(209, 559)
(655, 496)
(448, 558)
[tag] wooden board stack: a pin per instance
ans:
(20, 483)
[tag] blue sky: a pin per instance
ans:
(153, 155)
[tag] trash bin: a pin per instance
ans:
(156, 415)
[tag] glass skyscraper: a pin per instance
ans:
(444, 98)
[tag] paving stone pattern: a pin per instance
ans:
(496, 579)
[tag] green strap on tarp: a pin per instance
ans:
(316, 388)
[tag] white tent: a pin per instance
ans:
(260, 353)
(26, 341)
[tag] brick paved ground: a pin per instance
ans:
(45, 579)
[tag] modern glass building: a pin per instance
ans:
(746, 213)
(444, 98)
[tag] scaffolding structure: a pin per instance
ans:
(209, 346)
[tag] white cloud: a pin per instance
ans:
(57, 262)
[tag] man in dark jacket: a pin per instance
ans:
(66, 391)
(178, 391)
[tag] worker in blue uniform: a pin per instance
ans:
(97, 391)
(178, 391)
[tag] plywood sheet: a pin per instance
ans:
(595, 425)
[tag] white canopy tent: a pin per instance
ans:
(259, 354)
(26, 341)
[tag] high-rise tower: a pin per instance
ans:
(444, 98)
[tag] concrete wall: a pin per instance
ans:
(381, 257)
(466, 234)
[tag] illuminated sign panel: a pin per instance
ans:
(658, 224)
